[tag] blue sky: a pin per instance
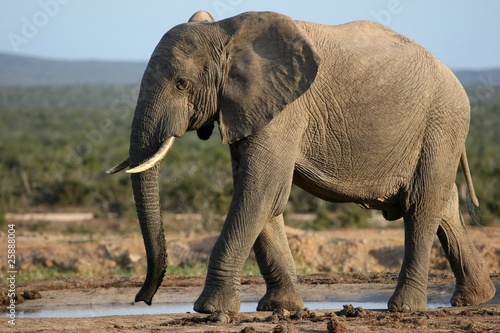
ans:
(463, 34)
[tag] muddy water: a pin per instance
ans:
(100, 302)
(173, 308)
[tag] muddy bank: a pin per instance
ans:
(485, 319)
(343, 250)
(350, 288)
(350, 266)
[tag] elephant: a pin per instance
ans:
(350, 113)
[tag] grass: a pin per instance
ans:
(43, 273)
(250, 268)
(50, 273)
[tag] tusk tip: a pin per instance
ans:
(119, 167)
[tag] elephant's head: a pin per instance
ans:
(240, 72)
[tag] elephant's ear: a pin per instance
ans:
(270, 62)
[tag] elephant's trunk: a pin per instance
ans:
(147, 200)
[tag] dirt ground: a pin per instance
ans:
(348, 265)
(348, 286)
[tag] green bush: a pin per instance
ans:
(346, 216)
(352, 216)
(66, 137)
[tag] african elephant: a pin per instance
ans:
(350, 113)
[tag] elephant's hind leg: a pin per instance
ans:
(423, 203)
(473, 284)
(277, 267)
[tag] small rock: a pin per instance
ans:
(286, 329)
(336, 326)
(222, 318)
(248, 329)
(299, 314)
(304, 313)
(350, 311)
(281, 313)
(272, 318)
(31, 294)
(5, 298)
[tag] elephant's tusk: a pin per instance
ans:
(119, 167)
(157, 157)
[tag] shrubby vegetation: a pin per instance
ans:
(56, 142)
(54, 155)
(483, 149)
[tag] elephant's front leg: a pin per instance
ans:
(277, 267)
(263, 175)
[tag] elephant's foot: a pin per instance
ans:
(478, 292)
(281, 298)
(219, 299)
(408, 299)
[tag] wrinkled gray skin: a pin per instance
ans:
(350, 113)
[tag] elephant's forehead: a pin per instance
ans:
(188, 36)
(178, 60)
(181, 45)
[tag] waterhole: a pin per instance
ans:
(79, 311)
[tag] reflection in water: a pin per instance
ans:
(172, 308)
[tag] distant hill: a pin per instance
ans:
(487, 77)
(29, 71)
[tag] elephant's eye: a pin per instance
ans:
(181, 84)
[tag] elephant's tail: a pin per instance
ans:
(472, 201)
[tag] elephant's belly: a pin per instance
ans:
(337, 190)
(321, 188)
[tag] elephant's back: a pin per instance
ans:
(372, 97)
(367, 46)
(360, 36)
(368, 71)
